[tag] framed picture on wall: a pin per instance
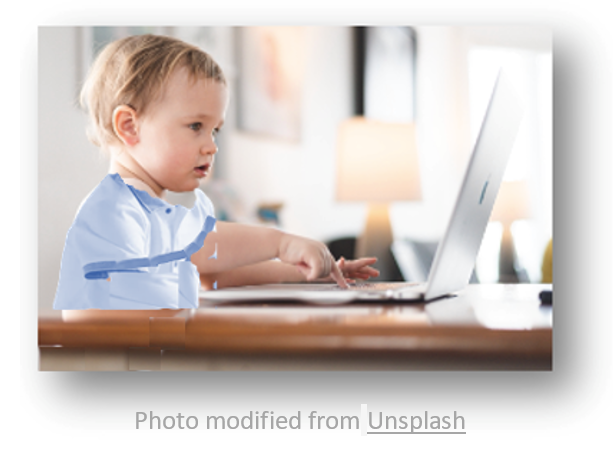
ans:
(270, 62)
(385, 65)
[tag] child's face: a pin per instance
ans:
(176, 135)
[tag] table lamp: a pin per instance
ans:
(511, 205)
(377, 163)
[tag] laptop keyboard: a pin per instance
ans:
(378, 286)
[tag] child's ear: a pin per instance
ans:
(124, 124)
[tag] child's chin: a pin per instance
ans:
(198, 183)
(186, 186)
(203, 180)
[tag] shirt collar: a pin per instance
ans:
(148, 201)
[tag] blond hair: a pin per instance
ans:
(133, 71)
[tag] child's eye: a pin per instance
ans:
(196, 126)
(215, 132)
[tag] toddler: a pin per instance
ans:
(156, 105)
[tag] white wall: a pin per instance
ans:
(69, 167)
(302, 175)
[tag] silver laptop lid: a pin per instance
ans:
(457, 252)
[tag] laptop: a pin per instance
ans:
(456, 254)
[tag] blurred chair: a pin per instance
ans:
(345, 247)
(415, 257)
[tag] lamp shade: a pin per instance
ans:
(512, 202)
(377, 161)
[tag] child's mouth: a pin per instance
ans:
(203, 170)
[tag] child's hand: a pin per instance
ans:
(358, 269)
(355, 269)
(311, 257)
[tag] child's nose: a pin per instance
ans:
(209, 147)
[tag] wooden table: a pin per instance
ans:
(488, 327)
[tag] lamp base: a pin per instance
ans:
(376, 241)
(506, 264)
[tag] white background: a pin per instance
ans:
(566, 408)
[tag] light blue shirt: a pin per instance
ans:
(142, 243)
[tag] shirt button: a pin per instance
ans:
(169, 210)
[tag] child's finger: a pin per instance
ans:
(361, 262)
(367, 269)
(365, 260)
(365, 273)
(337, 275)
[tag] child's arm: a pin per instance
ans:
(272, 271)
(239, 245)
